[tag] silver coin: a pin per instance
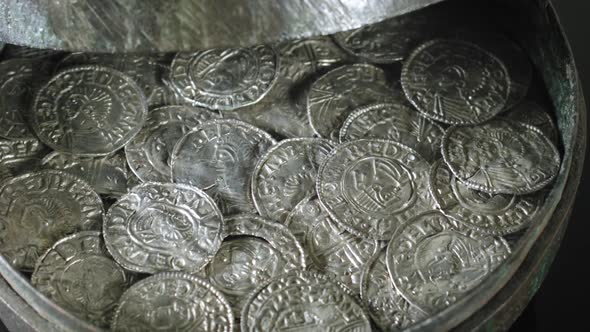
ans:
(19, 156)
(78, 274)
(106, 175)
(434, 261)
(163, 227)
(148, 153)
(220, 156)
(387, 308)
(501, 157)
(371, 187)
(286, 174)
(173, 301)
(303, 301)
(533, 114)
(11, 51)
(395, 122)
(89, 111)
(498, 214)
(225, 79)
(332, 250)
(37, 209)
(19, 80)
(341, 91)
(255, 250)
(455, 82)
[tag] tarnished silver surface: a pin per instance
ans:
(501, 156)
(225, 79)
(11, 51)
(286, 174)
(219, 156)
(79, 275)
(396, 122)
(434, 261)
(533, 114)
(372, 187)
(19, 156)
(88, 110)
(494, 214)
(148, 153)
(331, 250)
(37, 209)
(163, 227)
(173, 301)
(455, 82)
(303, 301)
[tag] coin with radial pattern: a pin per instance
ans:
(396, 122)
(371, 187)
(498, 214)
(225, 79)
(286, 174)
(254, 251)
(434, 260)
(220, 156)
(303, 301)
(501, 157)
(339, 92)
(106, 175)
(531, 113)
(173, 301)
(79, 275)
(455, 82)
(148, 153)
(37, 209)
(331, 250)
(163, 227)
(386, 306)
(19, 156)
(89, 111)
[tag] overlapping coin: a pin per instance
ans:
(19, 156)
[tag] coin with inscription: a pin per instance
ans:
(498, 214)
(163, 227)
(371, 187)
(533, 114)
(303, 301)
(79, 275)
(173, 301)
(341, 91)
(286, 174)
(37, 209)
(254, 251)
(19, 156)
(89, 111)
(396, 122)
(434, 261)
(332, 250)
(501, 157)
(455, 82)
(225, 79)
(148, 153)
(219, 156)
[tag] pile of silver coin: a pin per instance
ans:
(353, 182)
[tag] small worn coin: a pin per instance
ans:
(434, 261)
(254, 251)
(501, 157)
(107, 175)
(286, 174)
(173, 301)
(225, 79)
(498, 214)
(163, 227)
(332, 250)
(89, 111)
(303, 301)
(148, 153)
(341, 91)
(19, 156)
(79, 275)
(220, 156)
(371, 187)
(37, 209)
(395, 122)
(455, 82)
(530, 113)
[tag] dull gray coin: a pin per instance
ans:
(19, 156)
(533, 114)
